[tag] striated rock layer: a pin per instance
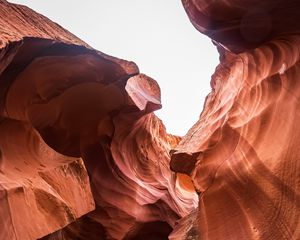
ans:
(243, 153)
(82, 154)
(84, 157)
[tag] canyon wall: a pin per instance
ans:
(243, 153)
(83, 156)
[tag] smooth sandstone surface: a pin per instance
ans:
(94, 160)
(243, 153)
(83, 156)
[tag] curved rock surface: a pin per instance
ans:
(240, 25)
(80, 144)
(243, 153)
(84, 157)
(40, 190)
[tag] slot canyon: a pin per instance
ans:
(84, 157)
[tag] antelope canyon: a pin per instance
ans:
(83, 156)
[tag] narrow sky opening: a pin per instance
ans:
(157, 35)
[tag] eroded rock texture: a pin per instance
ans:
(84, 157)
(243, 153)
(82, 154)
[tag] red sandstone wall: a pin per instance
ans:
(84, 157)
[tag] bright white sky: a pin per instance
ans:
(157, 35)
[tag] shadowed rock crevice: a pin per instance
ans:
(150, 231)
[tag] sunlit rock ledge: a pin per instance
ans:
(83, 156)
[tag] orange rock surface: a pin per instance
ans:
(243, 153)
(82, 155)
(79, 138)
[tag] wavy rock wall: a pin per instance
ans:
(83, 156)
(243, 153)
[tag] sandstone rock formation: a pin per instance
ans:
(243, 153)
(40, 190)
(83, 156)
